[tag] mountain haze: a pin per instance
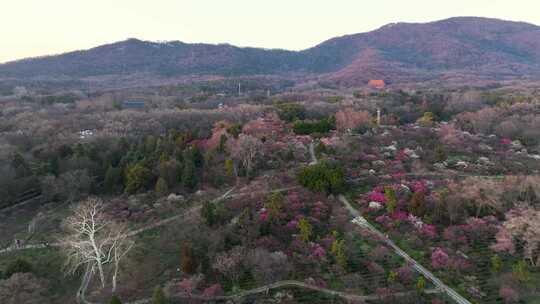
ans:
(458, 47)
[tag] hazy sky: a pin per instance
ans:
(40, 27)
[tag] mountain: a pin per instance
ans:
(474, 47)
(169, 58)
(455, 48)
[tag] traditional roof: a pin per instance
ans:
(377, 83)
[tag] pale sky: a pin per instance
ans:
(43, 27)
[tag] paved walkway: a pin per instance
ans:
(314, 160)
(361, 221)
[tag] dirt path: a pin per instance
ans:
(190, 212)
(283, 284)
(193, 210)
(20, 204)
(428, 175)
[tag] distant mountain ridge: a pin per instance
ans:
(468, 46)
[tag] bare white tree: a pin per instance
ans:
(122, 247)
(94, 241)
(245, 151)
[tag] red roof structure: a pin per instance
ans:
(377, 83)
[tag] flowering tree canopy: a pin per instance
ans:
(523, 224)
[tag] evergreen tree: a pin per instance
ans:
(158, 296)
(229, 167)
(137, 177)
(392, 277)
(274, 203)
(150, 145)
(338, 250)
(115, 300)
(426, 120)
(417, 204)
(189, 174)
(306, 230)
(391, 199)
(113, 179)
(78, 150)
(188, 262)
(196, 156)
(235, 130)
(163, 158)
(54, 166)
(421, 284)
(20, 165)
(291, 112)
(222, 143)
(521, 272)
(323, 177)
(529, 195)
(208, 213)
(161, 186)
(440, 153)
(496, 263)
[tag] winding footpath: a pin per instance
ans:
(362, 222)
(430, 175)
(21, 203)
(192, 211)
(283, 284)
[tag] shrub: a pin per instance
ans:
(392, 277)
(426, 120)
(405, 274)
(439, 259)
(235, 130)
(504, 242)
(213, 291)
(508, 295)
(375, 196)
(23, 288)
(18, 266)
